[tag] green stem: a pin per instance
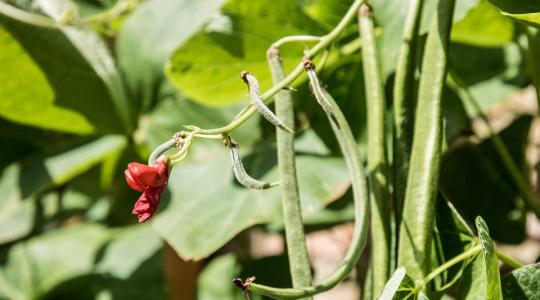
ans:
(292, 211)
(293, 39)
(404, 102)
(377, 162)
(349, 148)
(159, 150)
(448, 264)
(416, 230)
(509, 261)
(504, 154)
(325, 42)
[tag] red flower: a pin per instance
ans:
(151, 181)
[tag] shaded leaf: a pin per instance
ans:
(22, 182)
(524, 10)
(474, 179)
(523, 283)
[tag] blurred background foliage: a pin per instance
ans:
(80, 101)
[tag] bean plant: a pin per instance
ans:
(205, 119)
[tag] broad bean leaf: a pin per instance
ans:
(77, 73)
(207, 66)
(523, 283)
(83, 261)
(21, 182)
(475, 180)
(493, 277)
(483, 26)
(164, 24)
(473, 282)
(524, 10)
(207, 206)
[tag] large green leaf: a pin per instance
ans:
(522, 283)
(491, 74)
(164, 24)
(483, 26)
(26, 96)
(524, 10)
(208, 207)
(493, 288)
(207, 66)
(78, 68)
(84, 261)
(473, 282)
(474, 179)
(22, 182)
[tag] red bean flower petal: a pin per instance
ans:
(148, 176)
(147, 204)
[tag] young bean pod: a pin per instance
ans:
(253, 86)
(317, 90)
(240, 172)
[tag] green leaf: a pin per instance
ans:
(200, 219)
(399, 286)
(79, 69)
(474, 179)
(473, 283)
(26, 96)
(390, 16)
(125, 264)
(22, 182)
(491, 74)
(206, 68)
(522, 283)
(523, 10)
(483, 26)
(494, 290)
(215, 280)
(165, 24)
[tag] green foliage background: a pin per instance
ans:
(77, 103)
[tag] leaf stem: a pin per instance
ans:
(509, 261)
(295, 38)
(349, 148)
(159, 150)
(377, 162)
(299, 265)
(448, 264)
(325, 41)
